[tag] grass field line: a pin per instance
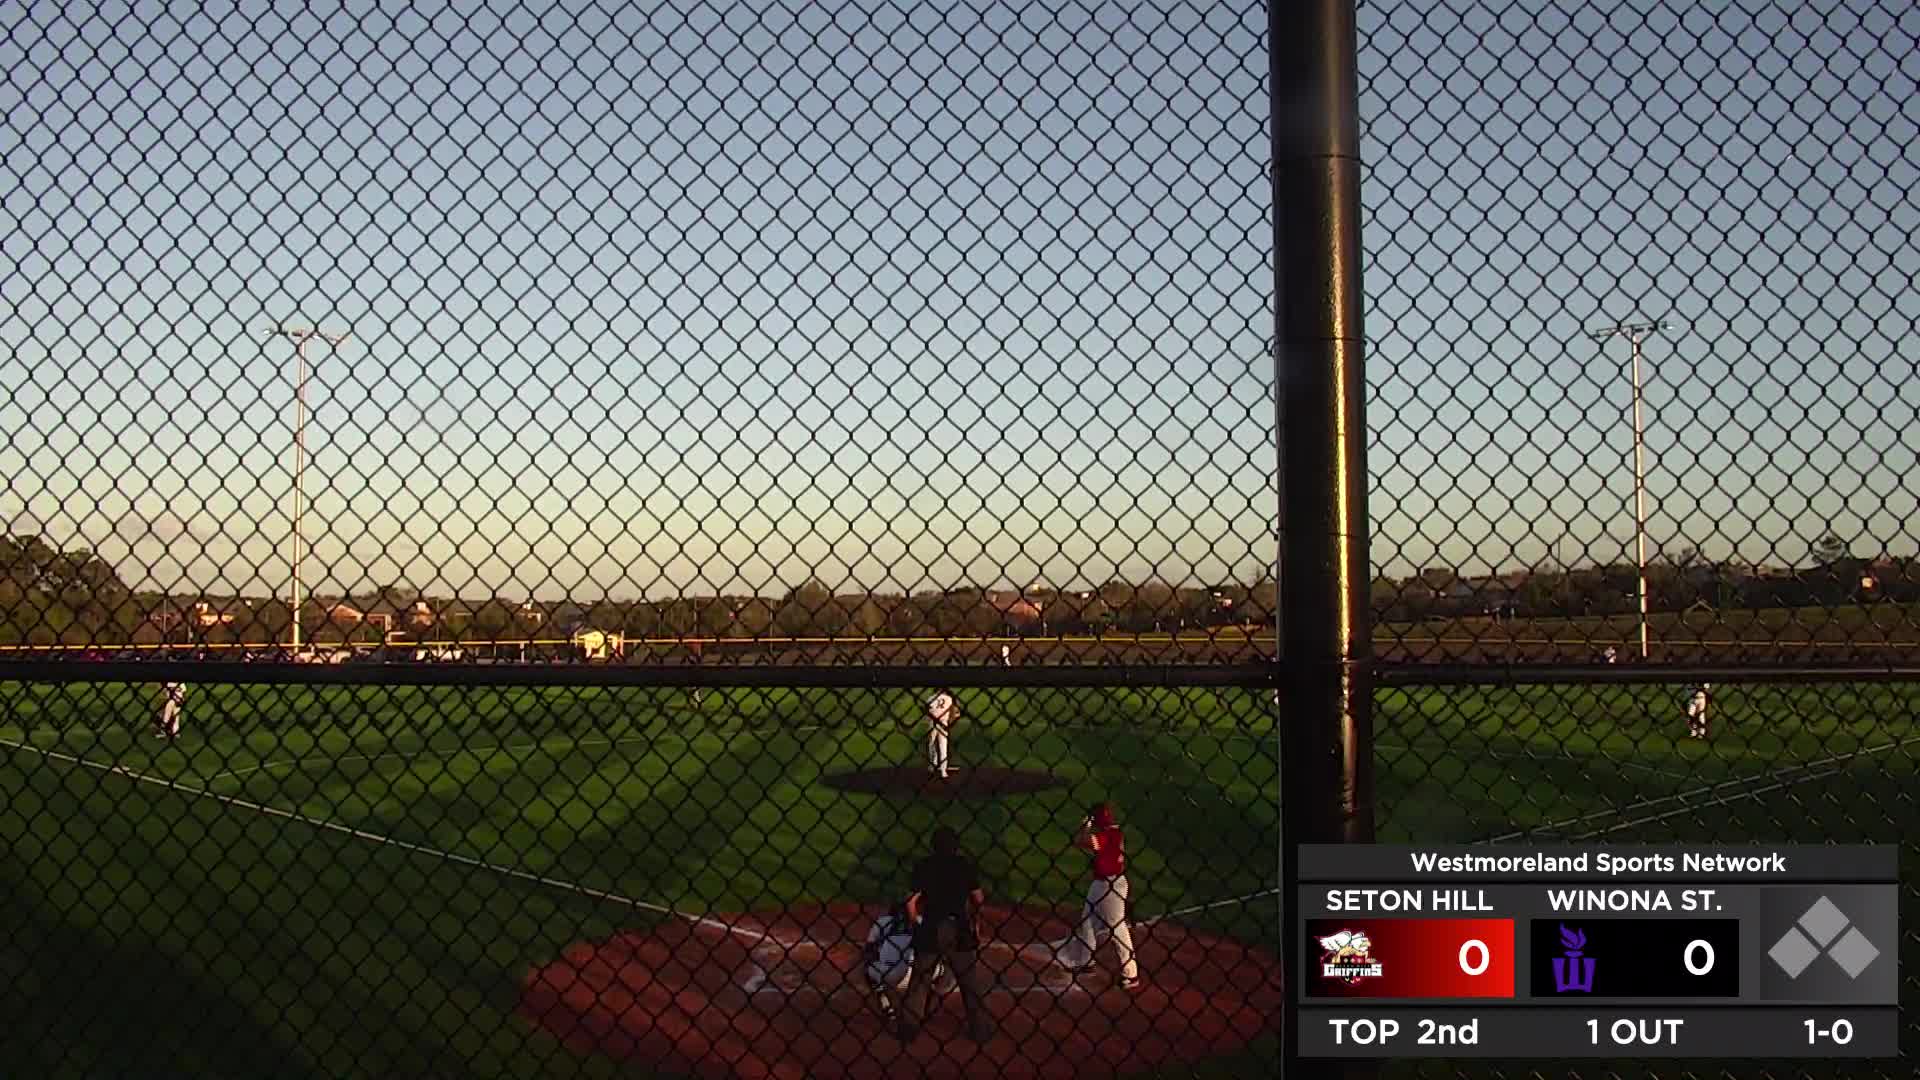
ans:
(1197, 908)
(1655, 769)
(755, 936)
(562, 743)
(1749, 793)
(377, 838)
(1052, 948)
(428, 752)
(1742, 787)
(1672, 774)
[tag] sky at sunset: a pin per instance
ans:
(715, 298)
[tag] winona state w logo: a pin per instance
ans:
(1572, 972)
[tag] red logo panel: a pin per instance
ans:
(1410, 958)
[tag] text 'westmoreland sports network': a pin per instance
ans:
(1599, 863)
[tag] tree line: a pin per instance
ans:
(54, 596)
(1675, 583)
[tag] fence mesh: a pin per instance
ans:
(466, 346)
(557, 372)
(1639, 295)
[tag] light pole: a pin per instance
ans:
(300, 335)
(1636, 333)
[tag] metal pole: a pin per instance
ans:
(300, 336)
(299, 466)
(1640, 496)
(1635, 333)
(1325, 644)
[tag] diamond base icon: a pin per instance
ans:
(1830, 943)
(1793, 952)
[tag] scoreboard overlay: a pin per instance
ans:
(1520, 951)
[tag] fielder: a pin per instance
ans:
(1697, 703)
(942, 711)
(693, 657)
(1006, 655)
(1106, 911)
(173, 698)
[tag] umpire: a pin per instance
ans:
(946, 901)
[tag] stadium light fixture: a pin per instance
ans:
(1637, 333)
(300, 335)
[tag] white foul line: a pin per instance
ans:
(1725, 800)
(428, 752)
(1655, 769)
(755, 982)
(538, 879)
(1742, 787)
(1195, 909)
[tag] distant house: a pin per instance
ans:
(205, 614)
(455, 612)
(350, 618)
(1015, 608)
(600, 644)
(381, 613)
(200, 615)
(415, 616)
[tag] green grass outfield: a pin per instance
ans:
(1785, 764)
(159, 932)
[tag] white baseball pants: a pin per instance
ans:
(937, 751)
(170, 711)
(1105, 916)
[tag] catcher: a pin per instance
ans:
(889, 962)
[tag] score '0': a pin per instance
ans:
(1486, 957)
(1687, 957)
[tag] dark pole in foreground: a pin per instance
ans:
(1326, 724)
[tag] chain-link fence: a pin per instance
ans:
(496, 495)
(1640, 325)
(523, 522)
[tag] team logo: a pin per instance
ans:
(1348, 956)
(1573, 972)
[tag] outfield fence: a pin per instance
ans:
(674, 416)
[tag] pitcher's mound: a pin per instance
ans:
(963, 783)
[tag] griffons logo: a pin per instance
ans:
(1348, 956)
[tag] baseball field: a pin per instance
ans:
(1807, 764)
(335, 882)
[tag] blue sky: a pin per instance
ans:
(902, 295)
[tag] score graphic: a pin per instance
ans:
(1410, 958)
(1522, 952)
(1665, 958)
